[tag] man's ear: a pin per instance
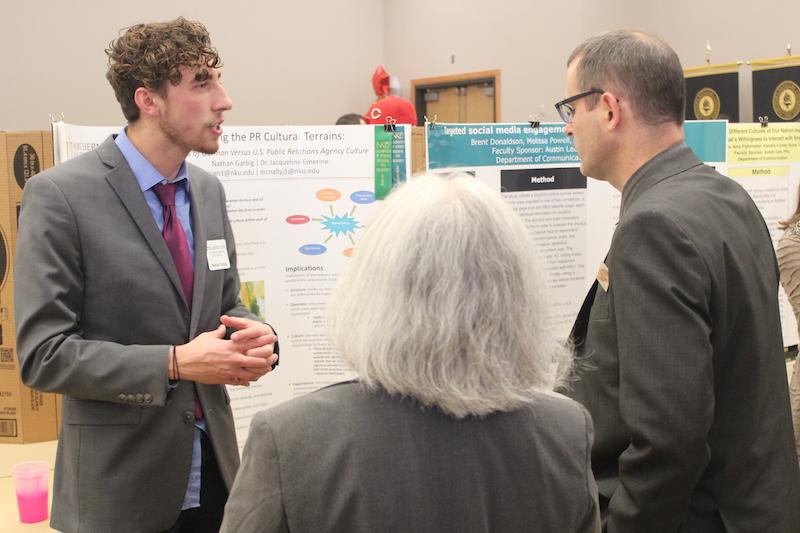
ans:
(149, 102)
(612, 109)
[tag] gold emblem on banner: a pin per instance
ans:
(786, 100)
(706, 104)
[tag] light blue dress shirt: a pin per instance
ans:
(148, 177)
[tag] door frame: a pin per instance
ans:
(419, 86)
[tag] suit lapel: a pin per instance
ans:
(124, 183)
(577, 336)
(198, 229)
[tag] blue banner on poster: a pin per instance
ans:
(494, 145)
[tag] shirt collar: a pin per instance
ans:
(674, 160)
(145, 173)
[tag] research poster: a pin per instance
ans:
(572, 218)
(298, 199)
(766, 162)
(537, 171)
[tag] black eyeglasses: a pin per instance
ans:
(565, 108)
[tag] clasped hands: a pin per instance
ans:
(240, 360)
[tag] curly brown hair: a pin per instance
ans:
(149, 55)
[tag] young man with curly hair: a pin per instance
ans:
(119, 310)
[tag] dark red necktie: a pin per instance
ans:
(175, 238)
(178, 246)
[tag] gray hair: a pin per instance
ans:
(640, 65)
(443, 303)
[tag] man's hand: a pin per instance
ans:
(209, 358)
(253, 338)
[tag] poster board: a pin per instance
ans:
(572, 218)
(298, 199)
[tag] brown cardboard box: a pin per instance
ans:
(26, 415)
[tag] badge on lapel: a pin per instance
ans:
(217, 254)
(602, 276)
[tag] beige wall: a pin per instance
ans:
(530, 41)
(309, 61)
(287, 62)
(737, 30)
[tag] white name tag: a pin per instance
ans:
(217, 254)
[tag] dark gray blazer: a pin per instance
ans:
(682, 364)
(346, 460)
(98, 303)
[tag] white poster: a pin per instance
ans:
(766, 162)
(298, 199)
(572, 219)
(536, 170)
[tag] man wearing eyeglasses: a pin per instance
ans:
(679, 340)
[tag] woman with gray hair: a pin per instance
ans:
(452, 424)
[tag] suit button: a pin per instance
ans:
(148, 398)
(130, 398)
(188, 417)
(122, 397)
(139, 398)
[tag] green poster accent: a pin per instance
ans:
(707, 138)
(383, 162)
(398, 156)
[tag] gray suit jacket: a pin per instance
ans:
(98, 303)
(682, 361)
(346, 460)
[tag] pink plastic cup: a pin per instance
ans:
(31, 481)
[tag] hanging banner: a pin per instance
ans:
(776, 89)
(712, 92)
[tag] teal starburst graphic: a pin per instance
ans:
(340, 225)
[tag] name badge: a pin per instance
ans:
(217, 254)
(602, 276)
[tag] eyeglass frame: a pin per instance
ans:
(565, 103)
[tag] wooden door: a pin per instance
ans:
(444, 103)
(479, 103)
(471, 97)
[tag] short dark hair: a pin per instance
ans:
(351, 118)
(149, 55)
(642, 66)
